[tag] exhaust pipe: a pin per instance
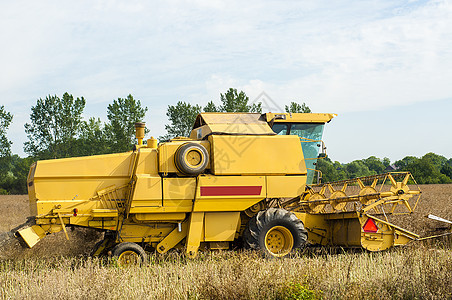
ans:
(139, 132)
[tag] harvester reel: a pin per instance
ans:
(402, 192)
(336, 204)
(365, 193)
(316, 207)
(369, 195)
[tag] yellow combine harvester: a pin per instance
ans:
(238, 177)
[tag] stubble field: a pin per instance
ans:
(57, 268)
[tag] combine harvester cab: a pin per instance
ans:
(239, 176)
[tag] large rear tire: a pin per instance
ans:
(275, 231)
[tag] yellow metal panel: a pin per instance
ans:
(148, 162)
(299, 117)
(31, 190)
(145, 233)
(195, 232)
(104, 213)
(317, 226)
(109, 165)
(167, 150)
(260, 128)
(73, 188)
(229, 193)
(386, 236)
(148, 191)
(32, 235)
(200, 132)
(83, 207)
(144, 217)
(178, 188)
(71, 181)
(170, 206)
(173, 238)
(220, 226)
(102, 224)
(285, 186)
(346, 232)
(211, 118)
(256, 155)
(81, 220)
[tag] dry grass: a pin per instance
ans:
(403, 273)
(57, 268)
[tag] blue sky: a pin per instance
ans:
(384, 66)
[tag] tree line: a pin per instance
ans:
(57, 129)
(430, 168)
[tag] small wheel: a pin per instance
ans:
(275, 231)
(191, 158)
(129, 254)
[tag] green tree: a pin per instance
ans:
(233, 101)
(294, 107)
(447, 170)
(437, 160)
(427, 169)
(122, 115)
(357, 168)
(210, 107)
(375, 164)
(331, 171)
(406, 161)
(92, 138)
(5, 121)
(55, 124)
(182, 116)
(386, 162)
(14, 180)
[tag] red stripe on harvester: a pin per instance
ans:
(231, 190)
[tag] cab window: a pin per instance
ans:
(280, 129)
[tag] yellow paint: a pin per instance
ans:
(172, 239)
(148, 162)
(299, 117)
(220, 226)
(147, 192)
(256, 155)
(104, 213)
(162, 217)
(228, 203)
(152, 143)
(285, 186)
(32, 235)
(178, 189)
(195, 231)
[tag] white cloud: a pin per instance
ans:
(337, 56)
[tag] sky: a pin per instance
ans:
(385, 67)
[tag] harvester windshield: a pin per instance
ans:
(311, 136)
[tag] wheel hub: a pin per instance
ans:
(193, 158)
(128, 258)
(279, 241)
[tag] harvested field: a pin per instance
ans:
(59, 268)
